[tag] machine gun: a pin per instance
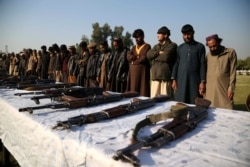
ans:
(135, 105)
(75, 91)
(175, 129)
(72, 102)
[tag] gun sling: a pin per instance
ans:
(175, 111)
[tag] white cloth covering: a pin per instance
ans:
(222, 139)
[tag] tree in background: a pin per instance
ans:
(103, 33)
(243, 64)
(85, 38)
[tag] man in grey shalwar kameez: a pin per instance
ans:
(189, 72)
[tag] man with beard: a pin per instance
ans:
(189, 72)
(139, 67)
(104, 64)
(221, 73)
(162, 57)
(92, 66)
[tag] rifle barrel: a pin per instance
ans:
(52, 106)
(29, 93)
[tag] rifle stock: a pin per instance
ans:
(180, 129)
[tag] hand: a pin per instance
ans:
(202, 88)
(230, 95)
(98, 79)
(174, 85)
(161, 52)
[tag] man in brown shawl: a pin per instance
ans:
(221, 73)
(139, 68)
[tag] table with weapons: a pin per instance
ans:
(76, 126)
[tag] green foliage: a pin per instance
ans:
(241, 92)
(117, 32)
(127, 40)
(97, 34)
(102, 33)
(85, 38)
(243, 64)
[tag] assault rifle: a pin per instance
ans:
(175, 129)
(135, 105)
(21, 83)
(75, 91)
(72, 102)
(16, 79)
(41, 86)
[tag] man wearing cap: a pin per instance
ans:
(162, 57)
(189, 72)
(221, 73)
(139, 67)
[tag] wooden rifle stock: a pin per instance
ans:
(179, 130)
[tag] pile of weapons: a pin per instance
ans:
(185, 118)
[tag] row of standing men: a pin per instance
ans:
(183, 72)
